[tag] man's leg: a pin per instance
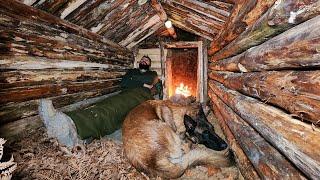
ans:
(58, 124)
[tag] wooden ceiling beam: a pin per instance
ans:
(54, 7)
(83, 11)
(95, 17)
(120, 30)
(227, 6)
(216, 24)
(195, 25)
(150, 23)
(182, 44)
(189, 29)
(204, 9)
(158, 7)
(147, 33)
(192, 21)
(72, 5)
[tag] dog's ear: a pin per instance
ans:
(189, 123)
(201, 114)
(165, 114)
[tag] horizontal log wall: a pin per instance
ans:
(245, 166)
(268, 162)
(265, 81)
(244, 14)
(292, 138)
(42, 56)
(295, 91)
(297, 48)
(280, 17)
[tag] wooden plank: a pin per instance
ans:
(181, 44)
(244, 13)
(10, 79)
(183, 14)
(14, 130)
(124, 19)
(160, 11)
(267, 161)
(200, 77)
(279, 18)
(294, 139)
(223, 5)
(193, 22)
(53, 7)
(151, 22)
(83, 10)
(162, 62)
(20, 94)
(144, 35)
(56, 49)
(179, 10)
(191, 29)
(94, 18)
(205, 69)
(70, 7)
(296, 48)
(243, 163)
(34, 63)
(295, 91)
(204, 9)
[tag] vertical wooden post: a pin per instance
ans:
(163, 68)
(200, 73)
(205, 69)
(168, 74)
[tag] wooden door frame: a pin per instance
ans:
(202, 65)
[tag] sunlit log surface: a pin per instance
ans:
(267, 161)
(282, 16)
(295, 91)
(296, 48)
(294, 139)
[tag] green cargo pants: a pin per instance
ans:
(107, 116)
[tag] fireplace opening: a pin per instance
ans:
(181, 71)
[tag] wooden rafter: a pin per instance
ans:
(198, 17)
(158, 7)
(149, 24)
(204, 9)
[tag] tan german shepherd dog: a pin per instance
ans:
(154, 139)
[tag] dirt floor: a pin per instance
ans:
(41, 158)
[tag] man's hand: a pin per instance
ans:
(147, 86)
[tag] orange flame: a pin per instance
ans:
(183, 90)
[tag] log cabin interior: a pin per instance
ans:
(255, 63)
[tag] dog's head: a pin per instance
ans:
(201, 131)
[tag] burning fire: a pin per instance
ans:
(183, 90)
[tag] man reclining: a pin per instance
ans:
(106, 116)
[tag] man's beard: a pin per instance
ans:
(143, 66)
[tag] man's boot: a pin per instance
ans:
(58, 124)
